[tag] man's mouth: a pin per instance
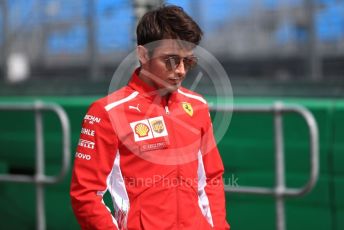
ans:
(175, 79)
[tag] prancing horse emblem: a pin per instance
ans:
(187, 108)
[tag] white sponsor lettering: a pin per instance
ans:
(91, 119)
(154, 146)
(83, 156)
(86, 144)
(87, 132)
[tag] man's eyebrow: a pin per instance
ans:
(170, 54)
(175, 54)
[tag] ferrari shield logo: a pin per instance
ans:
(187, 108)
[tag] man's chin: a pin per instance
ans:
(173, 87)
(170, 88)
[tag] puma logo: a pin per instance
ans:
(135, 107)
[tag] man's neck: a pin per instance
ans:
(162, 92)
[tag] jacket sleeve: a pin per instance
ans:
(214, 170)
(94, 159)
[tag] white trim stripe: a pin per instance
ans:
(116, 186)
(118, 192)
(117, 103)
(201, 99)
(203, 200)
(113, 219)
(108, 187)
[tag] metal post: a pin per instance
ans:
(42, 32)
(279, 167)
(40, 179)
(92, 41)
(280, 191)
(64, 121)
(313, 59)
(196, 12)
(140, 8)
(40, 209)
(4, 50)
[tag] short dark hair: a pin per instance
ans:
(167, 22)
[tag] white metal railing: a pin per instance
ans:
(39, 178)
(280, 191)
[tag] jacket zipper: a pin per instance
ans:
(167, 110)
(177, 195)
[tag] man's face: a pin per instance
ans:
(168, 65)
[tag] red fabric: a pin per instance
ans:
(160, 173)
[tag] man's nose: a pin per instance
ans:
(180, 70)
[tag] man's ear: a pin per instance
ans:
(142, 54)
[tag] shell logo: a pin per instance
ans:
(141, 130)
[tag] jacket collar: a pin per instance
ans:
(148, 91)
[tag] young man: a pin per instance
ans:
(150, 144)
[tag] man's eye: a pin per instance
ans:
(174, 58)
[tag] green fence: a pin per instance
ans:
(247, 150)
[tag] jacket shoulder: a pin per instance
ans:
(115, 99)
(191, 95)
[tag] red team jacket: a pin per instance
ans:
(158, 160)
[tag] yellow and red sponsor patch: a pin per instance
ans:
(158, 126)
